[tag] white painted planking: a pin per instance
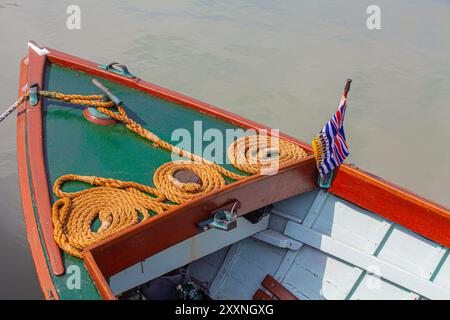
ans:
(412, 252)
(350, 224)
(277, 239)
(183, 253)
(206, 268)
(223, 271)
(316, 275)
(313, 211)
(347, 223)
(366, 261)
(297, 206)
(245, 268)
(442, 276)
(374, 288)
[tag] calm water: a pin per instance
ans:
(282, 63)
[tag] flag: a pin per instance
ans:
(330, 147)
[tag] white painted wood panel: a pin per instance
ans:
(442, 276)
(297, 206)
(375, 288)
(411, 252)
(366, 261)
(183, 253)
(349, 224)
(316, 275)
(246, 265)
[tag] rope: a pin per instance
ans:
(146, 134)
(179, 192)
(116, 204)
(247, 158)
(87, 100)
(252, 154)
(15, 105)
(119, 205)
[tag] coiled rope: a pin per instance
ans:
(256, 153)
(166, 182)
(116, 204)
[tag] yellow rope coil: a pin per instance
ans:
(117, 205)
(179, 192)
(254, 153)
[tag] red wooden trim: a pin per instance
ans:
(34, 240)
(36, 68)
(165, 230)
(261, 295)
(394, 203)
(96, 275)
(277, 289)
(90, 67)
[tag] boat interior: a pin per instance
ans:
(315, 245)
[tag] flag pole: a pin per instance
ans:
(347, 87)
(325, 181)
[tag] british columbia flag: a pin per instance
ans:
(330, 147)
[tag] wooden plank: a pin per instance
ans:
(421, 258)
(261, 295)
(36, 161)
(309, 220)
(277, 289)
(442, 272)
(183, 253)
(365, 261)
(96, 275)
(375, 288)
(31, 226)
(394, 203)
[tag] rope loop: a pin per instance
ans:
(101, 182)
(115, 204)
(179, 192)
(255, 153)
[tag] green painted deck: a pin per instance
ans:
(74, 145)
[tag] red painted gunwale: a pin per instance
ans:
(37, 251)
(369, 192)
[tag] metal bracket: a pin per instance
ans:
(118, 68)
(33, 94)
(224, 218)
(108, 94)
